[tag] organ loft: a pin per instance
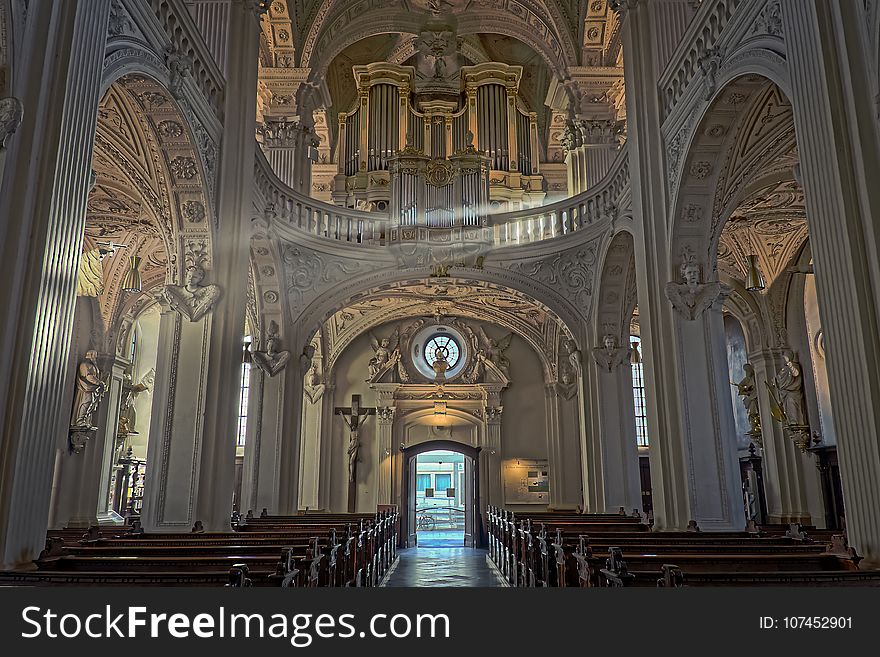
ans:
(586, 288)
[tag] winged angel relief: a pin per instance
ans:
(386, 351)
(492, 350)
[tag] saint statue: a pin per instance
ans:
(89, 392)
(574, 354)
(789, 382)
(130, 391)
(748, 391)
(192, 299)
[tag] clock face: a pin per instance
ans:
(442, 347)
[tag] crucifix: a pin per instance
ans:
(352, 415)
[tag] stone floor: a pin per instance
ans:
(441, 539)
(448, 566)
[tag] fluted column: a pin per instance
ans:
(563, 447)
(114, 400)
(384, 426)
(311, 447)
(492, 455)
(650, 32)
(835, 118)
(42, 216)
(617, 429)
(176, 422)
(230, 265)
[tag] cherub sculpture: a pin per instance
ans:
(610, 354)
(192, 299)
(691, 297)
(494, 350)
(273, 359)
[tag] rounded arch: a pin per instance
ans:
(748, 124)
(339, 30)
(150, 195)
(413, 297)
(617, 293)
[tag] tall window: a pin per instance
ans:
(423, 481)
(243, 403)
(442, 482)
(639, 394)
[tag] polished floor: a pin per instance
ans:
(441, 539)
(445, 566)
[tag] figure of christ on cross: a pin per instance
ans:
(352, 415)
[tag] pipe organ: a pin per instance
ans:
(394, 113)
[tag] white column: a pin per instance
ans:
(42, 216)
(177, 423)
(230, 264)
(492, 456)
(835, 118)
(384, 426)
(262, 466)
(650, 32)
(563, 446)
(312, 448)
(111, 426)
(708, 437)
(617, 429)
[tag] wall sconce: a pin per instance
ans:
(754, 280)
(132, 281)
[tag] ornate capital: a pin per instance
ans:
(11, 112)
(493, 414)
(385, 415)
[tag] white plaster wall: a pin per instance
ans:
(523, 427)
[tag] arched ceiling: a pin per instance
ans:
(149, 192)
(448, 298)
(316, 39)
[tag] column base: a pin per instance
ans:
(110, 518)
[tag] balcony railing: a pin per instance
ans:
(370, 229)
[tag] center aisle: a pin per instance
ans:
(423, 566)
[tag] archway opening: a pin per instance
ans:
(439, 497)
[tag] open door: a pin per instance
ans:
(470, 510)
(412, 537)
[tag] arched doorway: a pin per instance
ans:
(429, 509)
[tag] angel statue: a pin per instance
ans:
(610, 354)
(192, 299)
(692, 297)
(385, 350)
(748, 391)
(494, 351)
